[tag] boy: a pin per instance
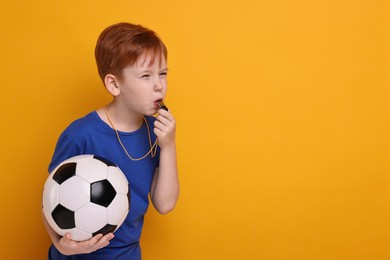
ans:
(131, 62)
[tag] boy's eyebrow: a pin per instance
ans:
(149, 70)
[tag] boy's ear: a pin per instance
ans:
(110, 81)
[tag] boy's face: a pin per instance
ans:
(143, 84)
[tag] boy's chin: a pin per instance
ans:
(151, 113)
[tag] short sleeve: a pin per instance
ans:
(66, 147)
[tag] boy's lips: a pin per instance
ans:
(156, 103)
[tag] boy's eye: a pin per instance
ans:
(163, 74)
(145, 76)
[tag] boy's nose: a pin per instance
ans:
(158, 85)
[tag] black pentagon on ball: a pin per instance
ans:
(104, 160)
(63, 217)
(128, 198)
(102, 193)
(65, 171)
(105, 230)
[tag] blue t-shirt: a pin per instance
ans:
(91, 135)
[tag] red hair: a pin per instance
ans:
(122, 44)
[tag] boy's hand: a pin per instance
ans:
(164, 128)
(67, 246)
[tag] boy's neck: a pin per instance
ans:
(122, 119)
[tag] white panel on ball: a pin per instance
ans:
(118, 209)
(118, 180)
(83, 217)
(74, 193)
(77, 158)
(91, 170)
(78, 235)
(50, 195)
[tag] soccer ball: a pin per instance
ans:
(86, 195)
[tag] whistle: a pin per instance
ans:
(162, 105)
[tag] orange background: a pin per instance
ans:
(283, 122)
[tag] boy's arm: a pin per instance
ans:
(165, 186)
(69, 247)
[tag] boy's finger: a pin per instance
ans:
(67, 237)
(105, 239)
(95, 239)
(102, 242)
(163, 112)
